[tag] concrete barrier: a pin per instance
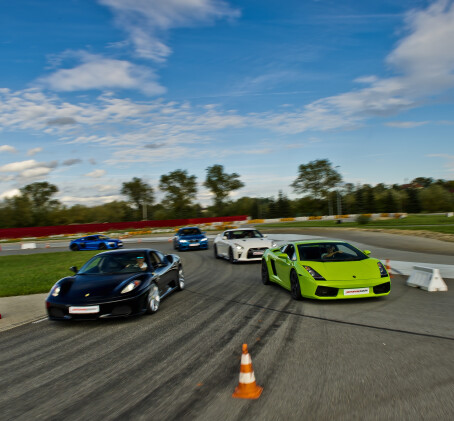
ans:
(427, 278)
(24, 246)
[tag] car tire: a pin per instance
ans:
(265, 273)
(74, 247)
(102, 246)
(215, 249)
(295, 290)
(153, 299)
(180, 280)
(231, 259)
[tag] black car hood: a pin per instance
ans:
(93, 287)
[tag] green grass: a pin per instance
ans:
(36, 273)
(434, 223)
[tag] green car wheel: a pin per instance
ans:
(265, 274)
(295, 290)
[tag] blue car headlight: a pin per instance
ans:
(183, 241)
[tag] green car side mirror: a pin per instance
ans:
(366, 252)
(283, 256)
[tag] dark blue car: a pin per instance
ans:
(189, 238)
(95, 242)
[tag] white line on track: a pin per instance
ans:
(39, 321)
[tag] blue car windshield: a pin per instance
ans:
(189, 231)
(329, 252)
(108, 264)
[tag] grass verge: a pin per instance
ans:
(36, 273)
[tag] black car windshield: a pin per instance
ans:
(189, 231)
(329, 252)
(239, 234)
(108, 264)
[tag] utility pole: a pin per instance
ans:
(144, 211)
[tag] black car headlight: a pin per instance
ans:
(55, 290)
(314, 273)
(131, 286)
(383, 272)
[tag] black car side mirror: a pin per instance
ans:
(169, 257)
(74, 269)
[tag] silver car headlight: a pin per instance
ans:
(238, 247)
(132, 285)
(273, 244)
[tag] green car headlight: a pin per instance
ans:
(314, 273)
(383, 272)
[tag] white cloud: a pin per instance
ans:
(147, 22)
(96, 174)
(405, 124)
(9, 193)
(29, 169)
(19, 166)
(7, 148)
(34, 151)
(448, 159)
(35, 172)
(88, 201)
(97, 72)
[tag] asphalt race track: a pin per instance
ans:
(365, 359)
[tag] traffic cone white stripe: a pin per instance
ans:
(247, 378)
(246, 359)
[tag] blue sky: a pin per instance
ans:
(96, 92)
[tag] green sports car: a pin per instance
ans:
(325, 270)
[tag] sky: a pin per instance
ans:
(96, 92)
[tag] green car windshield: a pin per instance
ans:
(329, 252)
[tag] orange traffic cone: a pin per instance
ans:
(388, 268)
(247, 387)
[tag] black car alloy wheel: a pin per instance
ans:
(265, 274)
(153, 299)
(180, 282)
(295, 290)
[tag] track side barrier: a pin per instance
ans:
(427, 278)
(24, 246)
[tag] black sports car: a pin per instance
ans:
(116, 284)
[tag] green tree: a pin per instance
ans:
(181, 191)
(283, 206)
(139, 193)
(317, 178)
(413, 204)
(20, 212)
(390, 202)
(40, 196)
(436, 199)
(423, 181)
(221, 184)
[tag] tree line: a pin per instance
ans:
(318, 182)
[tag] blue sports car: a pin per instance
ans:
(95, 242)
(189, 238)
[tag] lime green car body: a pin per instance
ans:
(307, 269)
